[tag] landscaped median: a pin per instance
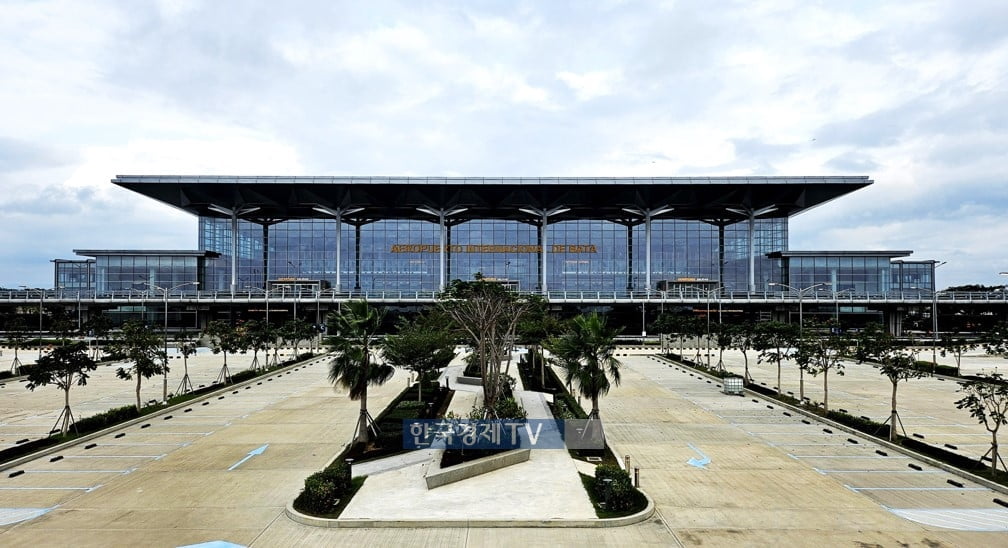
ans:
(631, 519)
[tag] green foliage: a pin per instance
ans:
(986, 399)
(585, 351)
(424, 345)
(139, 344)
(106, 419)
(354, 342)
(323, 490)
(613, 486)
(486, 316)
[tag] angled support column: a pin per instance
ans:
(234, 213)
(752, 214)
(337, 213)
(648, 214)
(543, 215)
(441, 215)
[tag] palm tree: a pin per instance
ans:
(585, 350)
(354, 343)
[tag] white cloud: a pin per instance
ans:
(911, 93)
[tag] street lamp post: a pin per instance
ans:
(708, 292)
(41, 300)
(836, 301)
(164, 333)
(801, 295)
(934, 319)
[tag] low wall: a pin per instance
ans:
(476, 381)
(437, 477)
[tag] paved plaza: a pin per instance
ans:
(772, 479)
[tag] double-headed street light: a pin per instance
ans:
(801, 295)
(164, 333)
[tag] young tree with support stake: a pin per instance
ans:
(354, 340)
(67, 365)
(744, 340)
(17, 334)
(820, 353)
(99, 326)
(955, 344)
(223, 339)
(139, 344)
(774, 342)
(725, 335)
(895, 362)
(186, 344)
(986, 400)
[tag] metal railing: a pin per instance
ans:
(64, 296)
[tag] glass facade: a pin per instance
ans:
(403, 255)
(859, 274)
(125, 271)
(74, 275)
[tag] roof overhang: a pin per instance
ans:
(491, 197)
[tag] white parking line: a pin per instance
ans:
(821, 471)
(846, 457)
(85, 489)
(916, 488)
(963, 519)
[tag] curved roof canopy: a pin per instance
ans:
(610, 198)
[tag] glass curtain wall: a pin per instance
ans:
(402, 255)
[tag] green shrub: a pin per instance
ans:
(323, 490)
(111, 417)
(243, 376)
(619, 493)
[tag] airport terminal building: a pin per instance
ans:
(302, 245)
(546, 235)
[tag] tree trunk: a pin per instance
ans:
(801, 385)
(825, 390)
(164, 383)
(994, 453)
(595, 410)
(893, 418)
(138, 390)
(362, 422)
(66, 409)
(778, 378)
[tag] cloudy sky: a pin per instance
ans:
(913, 94)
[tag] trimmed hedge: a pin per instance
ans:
(323, 490)
(616, 497)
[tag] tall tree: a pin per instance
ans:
(986, 400)
(896, 363)
(356, 365)
(67, 365)
(140, 345)
(424, 346)
(487, 316)
(585, 350)
(774, 342)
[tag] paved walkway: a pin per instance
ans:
(169, 484)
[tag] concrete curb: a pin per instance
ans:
(351, 523)
(444, 476)
(87, 437)
(880, 441)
